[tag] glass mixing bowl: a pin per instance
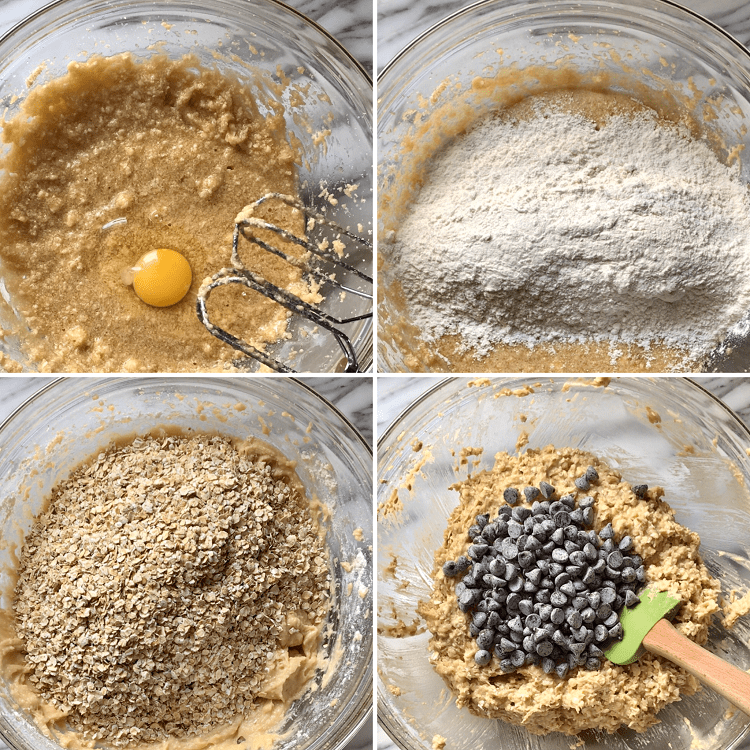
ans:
(661, 431)
(71, 420)
(659, 52)
(229, 35)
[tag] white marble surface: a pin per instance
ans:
(349, 21)
(401, 21)
(395, 393)
(352, 396)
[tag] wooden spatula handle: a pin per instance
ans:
(726, 679)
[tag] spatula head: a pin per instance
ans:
(637, 621)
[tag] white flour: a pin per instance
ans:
(551, 230)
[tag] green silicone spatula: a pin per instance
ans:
(646, 629)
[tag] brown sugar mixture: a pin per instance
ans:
(168, 151)
(608, 696)
(172, 585)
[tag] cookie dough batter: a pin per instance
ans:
(169, 151)
(615, 695)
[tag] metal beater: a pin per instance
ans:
(322, 272)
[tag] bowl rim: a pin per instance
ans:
(58, 380)
(146, 4)
(443, 382)
(549, 5)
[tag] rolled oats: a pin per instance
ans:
(155, 590)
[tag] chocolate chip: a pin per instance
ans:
(533, 621)
(497, 566)
(531, 494)
(508, 549)
(569, 501)
(558, 599)
(450, 569)
(511, 496)
(603, 612)
(616, 632)
(544, 648)
(631, 599)
(521, 513)
(600, 633)
(485, 639)
(478, 551)
(506, 665)
(483, 657)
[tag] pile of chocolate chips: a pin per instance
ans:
(541, 587)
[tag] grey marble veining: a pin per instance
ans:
(402, 21)
(348, 21)
(352, 396)
(395, 393)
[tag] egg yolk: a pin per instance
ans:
(162, 277)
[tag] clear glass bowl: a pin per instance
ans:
(655, 50)
(71, 420)
(272, 38)
(708, 489)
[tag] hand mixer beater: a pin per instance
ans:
(321, 263)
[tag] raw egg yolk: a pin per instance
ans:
(162, 277)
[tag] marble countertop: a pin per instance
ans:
(349, 21)
(401, 21)
(395, 393)
(351, 395)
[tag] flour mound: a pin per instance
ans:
(554, 229)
